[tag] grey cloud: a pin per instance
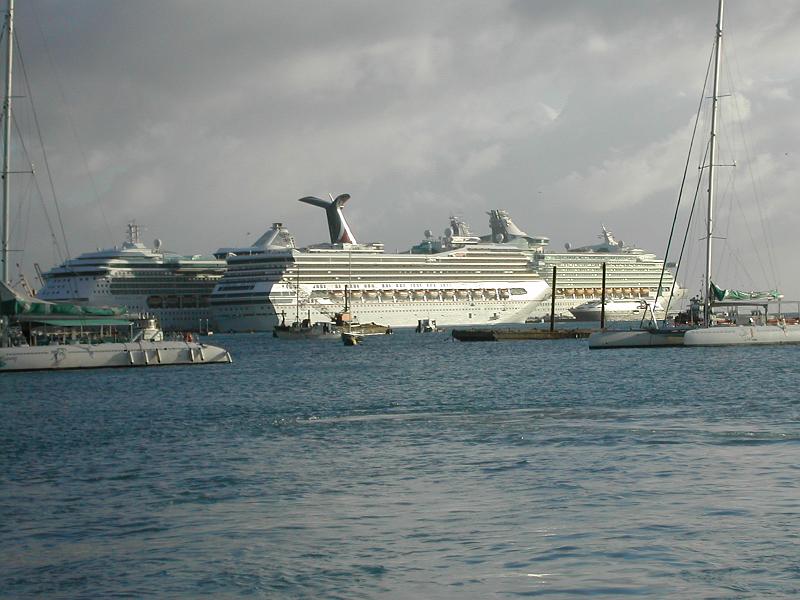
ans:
(206, 120)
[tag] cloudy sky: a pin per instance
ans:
(206, 120)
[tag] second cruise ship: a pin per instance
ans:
(465, 282)
(632, 274)
(172, 287)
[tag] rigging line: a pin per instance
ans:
(23, 212)
(755, 182)
(44, 150)
(735, 199)
(691, 214)
(26, 228)
(767, 236)
(680, 195)
(38, 189)
(71, 122)
(730, 197)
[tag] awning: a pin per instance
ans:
(74, 322)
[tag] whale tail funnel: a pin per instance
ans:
(337, 225)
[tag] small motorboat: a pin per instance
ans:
(427, 326)
(352, 339)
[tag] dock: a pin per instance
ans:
(495, 335)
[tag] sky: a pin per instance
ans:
(206, 121)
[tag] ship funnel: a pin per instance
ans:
(503, 228)
(337, 225)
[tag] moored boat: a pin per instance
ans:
(38, 336)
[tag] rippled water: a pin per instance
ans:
(410, 467)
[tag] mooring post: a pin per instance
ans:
(553, 301)
(603, 301)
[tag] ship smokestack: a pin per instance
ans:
(337, 225)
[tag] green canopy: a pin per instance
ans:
(719, 294)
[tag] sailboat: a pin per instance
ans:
(709, 333)
(40, 335)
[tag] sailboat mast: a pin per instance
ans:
(7, 139)
(712, 155)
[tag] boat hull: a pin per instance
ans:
(636, 338)
(744, 335)
(264, 317)
(304, 333)
(96, 356)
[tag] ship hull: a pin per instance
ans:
(636, 338)
(744, 335)
(96, 356)
(264, 317)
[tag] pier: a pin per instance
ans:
(496, 335)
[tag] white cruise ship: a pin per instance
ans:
(631, 273)
(463, 282)
(171, 287)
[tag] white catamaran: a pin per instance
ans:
(39, 335)
(744, 331)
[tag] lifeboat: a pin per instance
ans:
(154, 302)
(462, 293)
(172, 302)
(371, 294)
(569, 291)
(388, 294)
(448, 294)
(402, 294)
(356, 294)
(504, 294)
(419, 294)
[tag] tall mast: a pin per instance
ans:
(712, 155)
(7, 138)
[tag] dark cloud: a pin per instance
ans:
(207, 120)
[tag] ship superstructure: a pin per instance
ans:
(172, 287)
(631, 273)
(462, 281)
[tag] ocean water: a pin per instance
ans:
(413, 466)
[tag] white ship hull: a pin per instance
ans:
(615, 310)
(263, 317)
(564, 307)
(94, 356)
(636, 338)
(743, 335)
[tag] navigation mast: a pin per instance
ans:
(712, 154)
(7, 140)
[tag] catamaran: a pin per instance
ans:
(40, 335)
(709, 333)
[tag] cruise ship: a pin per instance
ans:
(631, 273)
(171, 287)
(461, 281)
